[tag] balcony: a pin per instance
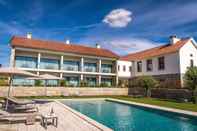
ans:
(26, 62)
(90, 67)
(106, 68)
(49, 64)
(71, 65)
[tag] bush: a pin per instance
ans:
(38, 83)
(191, 81)
(83, 84)
(104, 85)
(63, 83)
(147, 82)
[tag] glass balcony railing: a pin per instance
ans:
(49, 64)
(71, 65)
(106, 68)
(25, 62)
(90, 67)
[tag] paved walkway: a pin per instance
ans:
(68, 121)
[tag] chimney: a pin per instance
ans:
(174, 39)
(98, 46)
(29, 35)
(67, 42)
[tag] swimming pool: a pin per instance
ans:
(123, 117)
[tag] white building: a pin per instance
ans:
(74, 63)
(167, 63)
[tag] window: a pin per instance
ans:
(124, 68)
(118, 67)
(149, 65)
(161, 63)
(106, 68)
(130, 68)
(26, 62)
(191, 63)
(139, 66)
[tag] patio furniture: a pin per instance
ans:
(10, 72)
(46, 119)
(24, 117)
(20, 104)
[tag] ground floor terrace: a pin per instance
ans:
(69, 79)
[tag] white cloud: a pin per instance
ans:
(130, 45)
(118, 18)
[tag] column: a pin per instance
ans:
(61, 65)
(99, 66)
(12, 57)
(82, 68)
(39, 55)
(38, 63)
(82, 64)
(116, 70)
(62, 62)
(99, 80)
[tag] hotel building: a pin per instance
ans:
(74, 63)
(167, 63)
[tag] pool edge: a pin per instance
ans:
(166, 109)
(86, 118)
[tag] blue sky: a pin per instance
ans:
(120, 25)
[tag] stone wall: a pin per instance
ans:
(62, 91)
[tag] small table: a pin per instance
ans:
(49, 118)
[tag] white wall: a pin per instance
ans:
(171, 65)
(121, 73)
(185, 57)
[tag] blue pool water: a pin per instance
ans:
(122, 117)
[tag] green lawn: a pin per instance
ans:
(153, 101)
(164, 103)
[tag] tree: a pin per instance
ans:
(191, 82)
(38, 83)
(147, 82)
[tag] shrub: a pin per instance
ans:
(63, 83)
(147, 82)
(191, 82)
(38, 83)
(83, 84)
(104, 85)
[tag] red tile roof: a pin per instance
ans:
(157, 51)
(60, 47)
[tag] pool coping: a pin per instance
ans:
(84, 117)
(167, 109)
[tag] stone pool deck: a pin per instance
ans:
(68, 120)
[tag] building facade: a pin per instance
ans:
(74, 63)
(167, 63)
(96, 66)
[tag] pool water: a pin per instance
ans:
(123, 117)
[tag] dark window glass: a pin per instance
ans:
(124, 68)
(139, 66)
(161, 63)
(118, 67)
(149, 65)
(130, 68)
(191, 63)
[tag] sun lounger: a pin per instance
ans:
(15, 104)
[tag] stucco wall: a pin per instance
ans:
(121, 73)
(171, 65)
(57, 91)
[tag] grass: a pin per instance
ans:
(152, 101)
(160, 102)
